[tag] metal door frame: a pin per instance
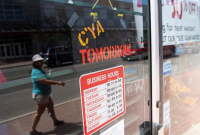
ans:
(156, 56)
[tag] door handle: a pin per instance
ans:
(158, 104)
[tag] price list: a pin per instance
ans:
(102, 101)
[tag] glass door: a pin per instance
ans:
(17, 49)
(156, 66)
(8, 50)
(23, 49)
(180, 67)
(5, 51)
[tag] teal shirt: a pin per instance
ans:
(38, 87)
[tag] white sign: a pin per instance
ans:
(117, 129)
(166, 126)
(180, 21)
(102, 98)
(166, 111)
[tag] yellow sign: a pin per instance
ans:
(99, 30)
(120, 15)
(95, 15)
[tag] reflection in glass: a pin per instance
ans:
(181, 45)
(3, 53)
(8, 50)
(22, 49)
(75, 40)
(17, 51)
(8, 7)
(7, 1)
(9, 17)
(18, 7)
(18, 2)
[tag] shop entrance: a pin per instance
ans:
(5, 51)
(19, 50)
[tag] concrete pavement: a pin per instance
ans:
(194, 130)
(69, 112)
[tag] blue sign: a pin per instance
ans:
(166, 67)
(130, 70)
(179, 49)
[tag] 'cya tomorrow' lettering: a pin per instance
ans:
(105, 53)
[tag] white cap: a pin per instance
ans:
(37, 57)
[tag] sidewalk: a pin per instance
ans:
(15, 64)
(185, 104)
(69, 112)
(195, 130)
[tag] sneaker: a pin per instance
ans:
(58, 123)
(35, 133)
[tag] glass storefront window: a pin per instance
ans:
(7, 1)
(99, 49)
(180, 94)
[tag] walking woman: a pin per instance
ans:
(41, 94)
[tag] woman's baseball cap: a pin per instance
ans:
(37, 57)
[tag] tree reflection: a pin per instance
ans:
(59, 23)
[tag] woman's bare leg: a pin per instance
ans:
(51, 111)
(36, 118)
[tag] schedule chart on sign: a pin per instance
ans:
(103, 102)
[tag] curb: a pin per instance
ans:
(27, 80)
(15, 66)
